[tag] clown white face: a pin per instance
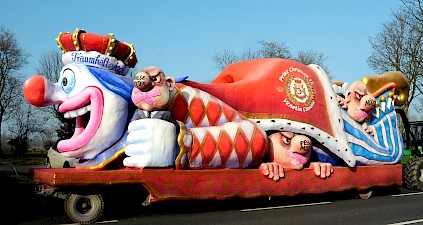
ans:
(100, 114)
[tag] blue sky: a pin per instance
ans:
(181, 36)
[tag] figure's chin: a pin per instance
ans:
(300, 167)
(290, 164)
(359, 119)
(297, 166)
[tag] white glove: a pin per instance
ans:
(150, 143)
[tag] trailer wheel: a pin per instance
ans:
(413, 174)
(84, 209)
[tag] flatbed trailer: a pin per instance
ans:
(84, 189)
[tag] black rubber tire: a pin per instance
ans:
(84, 209)
(413, 174)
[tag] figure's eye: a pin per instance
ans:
(286, 140)
(358, 96)
(156, 79)
(67, 80)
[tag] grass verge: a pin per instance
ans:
(29, 159)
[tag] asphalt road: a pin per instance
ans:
(398, 206)
(386, 207)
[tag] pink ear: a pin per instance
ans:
(170, 82)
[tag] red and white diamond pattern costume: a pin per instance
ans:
(213, 134)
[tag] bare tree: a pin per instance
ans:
(12, 93)
(273, 49)
(12, 58)
(25, 124)
(399, 47)
(312, 57)
(225, 58)
(50, 65)
(270, 49)
(133, 71)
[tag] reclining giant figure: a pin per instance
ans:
(224, 124)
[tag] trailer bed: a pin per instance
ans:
(170, 184)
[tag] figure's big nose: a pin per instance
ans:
(34, 90)
(143, 82)
(367, 103)
(146, 85)
(302, 144)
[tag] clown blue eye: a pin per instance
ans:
(67, 80)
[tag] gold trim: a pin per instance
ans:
(289, 80)
(59, 41)
(382, 98)
(183, 149)
(111, 45)
(311, 92)
(131, 54)
(106, 162)
(75, 39)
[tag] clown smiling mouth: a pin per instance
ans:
(82, 117)
(87, 109)
(78, 112)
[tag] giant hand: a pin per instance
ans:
(150, 143)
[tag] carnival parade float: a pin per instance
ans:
(263, 127)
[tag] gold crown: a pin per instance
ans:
(80, 40)
(394, 81)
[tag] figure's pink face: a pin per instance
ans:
(360, 101)
(152, 89)
(290, 150)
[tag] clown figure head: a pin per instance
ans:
(152, 89)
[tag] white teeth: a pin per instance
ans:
(78, 112)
